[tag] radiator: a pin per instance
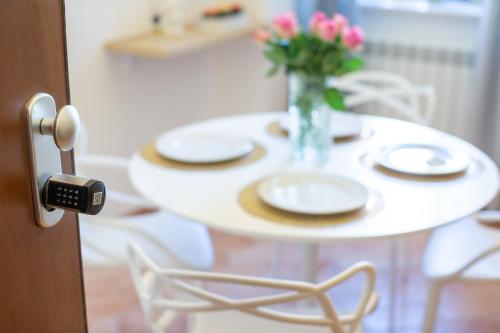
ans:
(448, 67)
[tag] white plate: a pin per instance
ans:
(203, 147)
(422, 159)
(342, 124)
(313, 193)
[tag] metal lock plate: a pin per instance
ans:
(44, 156)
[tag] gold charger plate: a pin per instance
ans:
(249, 199)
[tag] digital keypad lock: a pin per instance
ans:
(51, 131)
(78, 194)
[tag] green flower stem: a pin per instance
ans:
(311, 127)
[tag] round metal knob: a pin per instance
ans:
(65, 127)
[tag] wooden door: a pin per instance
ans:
(41, 287)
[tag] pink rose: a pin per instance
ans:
(316, 19)
(353, 38)
(286, 25)
(262, 36)
(327, 30)
(340, 21)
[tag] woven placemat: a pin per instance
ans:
(249, 199)
(275, 129)
(149, 153)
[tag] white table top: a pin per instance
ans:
(410, 205)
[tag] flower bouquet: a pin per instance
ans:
(311, 58)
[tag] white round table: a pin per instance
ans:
(410, 205)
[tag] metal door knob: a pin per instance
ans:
(65, 127)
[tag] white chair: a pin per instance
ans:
(392, 95)
(163, 292)
(387, 94)
(128, 217)
(463, 251)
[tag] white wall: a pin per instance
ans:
(125, 102)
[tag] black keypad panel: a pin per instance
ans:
(67, 196)
(73, 193)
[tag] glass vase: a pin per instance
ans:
(309, 123)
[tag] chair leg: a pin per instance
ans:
(407, 260)
(393, 283)
(405, 272)
(276, 258)
(433, 297)
(309, 261)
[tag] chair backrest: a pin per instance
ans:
(111, 170)
(468, 249)
(121, 200)
(387, 94)
(128, 216)
(151, 281)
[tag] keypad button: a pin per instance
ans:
(65, 189)
(76, 191)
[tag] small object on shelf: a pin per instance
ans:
(223, 18)
(156, 20)
(169, 17)
(222, 11)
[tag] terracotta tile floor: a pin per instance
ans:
(465, 308)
